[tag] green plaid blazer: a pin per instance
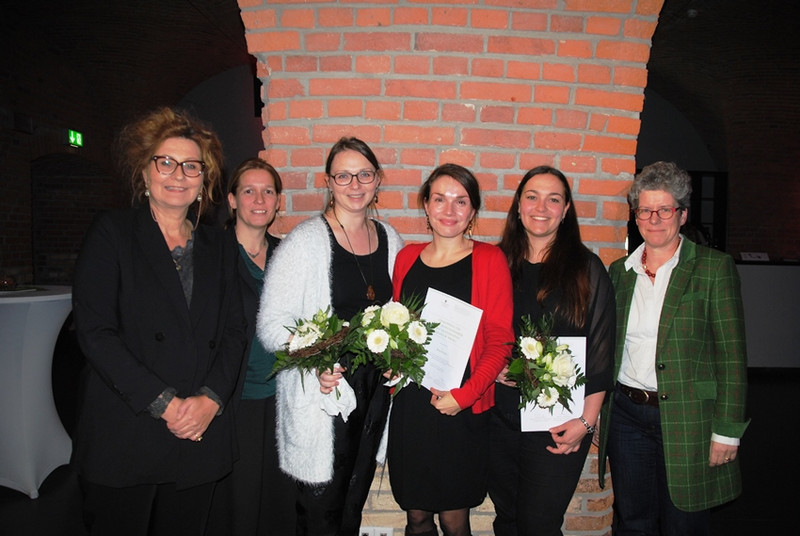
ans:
(701, 366)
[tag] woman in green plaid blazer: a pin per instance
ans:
(672, 425)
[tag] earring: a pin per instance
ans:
(469, 229)
(330, 198)
(200, 197)
(427, 222)
(147, 192)
(375, 199)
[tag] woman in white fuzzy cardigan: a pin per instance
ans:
(342, 259)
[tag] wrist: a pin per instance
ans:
(590, 428)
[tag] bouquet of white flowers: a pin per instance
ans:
(394, 338)
(316, 344)
(543, 370)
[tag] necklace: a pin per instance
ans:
(370, 289)
(644, 261)
(257, 253)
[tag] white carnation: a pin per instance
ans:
(305, 336)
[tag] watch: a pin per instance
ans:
(589, 429)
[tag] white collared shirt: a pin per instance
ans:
(639, 353)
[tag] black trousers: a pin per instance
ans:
(256, 498)
(531, 488)
(152, 510)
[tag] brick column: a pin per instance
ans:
(498, 86)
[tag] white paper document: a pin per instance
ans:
(451, 342)
(536, 419)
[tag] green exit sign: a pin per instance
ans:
(75, 138)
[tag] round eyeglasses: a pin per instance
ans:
(664, 213)
(166, 165)
(365, 176)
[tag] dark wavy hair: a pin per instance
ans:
(138, 141)
(566, 261)
(461, 175)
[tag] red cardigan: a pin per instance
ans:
(491, 292)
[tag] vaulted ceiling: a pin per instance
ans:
(710, 58)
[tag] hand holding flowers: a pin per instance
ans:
(393, 337)
(544, 371)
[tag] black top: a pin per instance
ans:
(599, 326)
(349, 293)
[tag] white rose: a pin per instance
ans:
(394, 313)
(564, 370)
(530, 347)
(417, 332)
(548, 397)
(377, 341)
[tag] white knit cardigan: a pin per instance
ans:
(296, 285)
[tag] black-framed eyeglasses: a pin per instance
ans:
(664, 213)
(365, 176)
(167, 166)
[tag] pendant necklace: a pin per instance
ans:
(370, 289)
(257, 253)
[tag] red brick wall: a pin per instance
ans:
(499, 86)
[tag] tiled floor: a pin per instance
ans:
(768, 453)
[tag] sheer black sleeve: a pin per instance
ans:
(601, 324)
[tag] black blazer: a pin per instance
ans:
(139, 338)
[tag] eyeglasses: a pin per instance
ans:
(664, 213)
(166, 165)
(365, 176)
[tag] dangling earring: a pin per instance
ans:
(200, 197)
(147, 192)
(427, 222)
(375, 199)
(330, 198)
(469, 229)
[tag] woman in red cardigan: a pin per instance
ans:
(438, 453)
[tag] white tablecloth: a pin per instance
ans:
(33, 441)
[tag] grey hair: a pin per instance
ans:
(665, 176)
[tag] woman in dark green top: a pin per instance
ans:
(256, 498)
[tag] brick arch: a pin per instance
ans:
(499, 87)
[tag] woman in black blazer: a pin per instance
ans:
(159, 317)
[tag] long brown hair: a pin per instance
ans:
(566, 262)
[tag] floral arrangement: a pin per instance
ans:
(394, 338)
(544, 371)
(316, 344)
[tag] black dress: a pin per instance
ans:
(334, 508)
(437, 462)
